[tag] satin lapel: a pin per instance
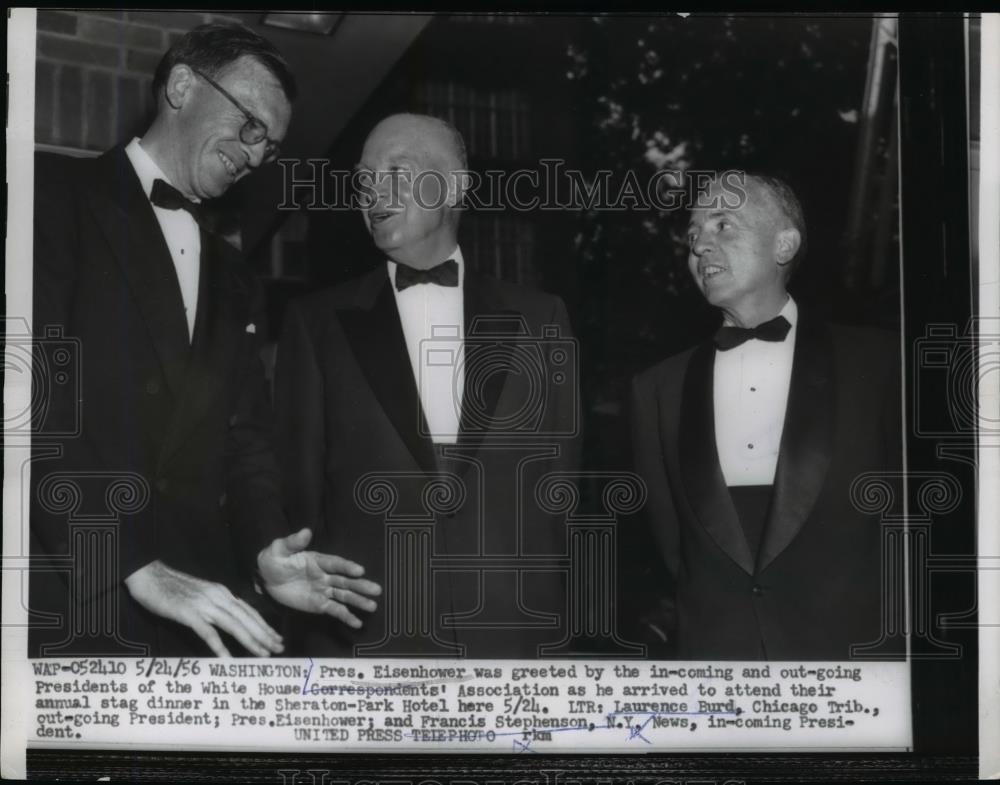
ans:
(488, 322)
(375, 334)
(217, 331)
(699, 460)
(806, 439)
(137, 244)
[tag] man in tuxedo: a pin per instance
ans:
(165, 430)
(749, 444)
(418, 407)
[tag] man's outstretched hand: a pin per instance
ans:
(202, 606)
(315, 582)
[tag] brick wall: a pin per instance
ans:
(94, 70)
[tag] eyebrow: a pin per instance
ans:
(250, 109)
(714, 214)
(402, 158)
(245, 104)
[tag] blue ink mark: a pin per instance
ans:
(305, 682)
(636, 732)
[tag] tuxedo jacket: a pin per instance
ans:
(813, 589)
(181, 425)
(357, 459)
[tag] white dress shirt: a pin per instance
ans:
(751, 384)
(433, 319)
(179, 228)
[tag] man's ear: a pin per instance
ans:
(787, 245)
(178, 86)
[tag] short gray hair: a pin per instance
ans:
(789, 204)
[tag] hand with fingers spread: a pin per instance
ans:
(315, 582)
(203, 606)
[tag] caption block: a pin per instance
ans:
(469, 706)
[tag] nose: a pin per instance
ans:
(700, 244)
(255, 153)
(391, 189)
(372, 198)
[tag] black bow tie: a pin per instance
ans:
(169, 198)
(444, 274)
(774, 330)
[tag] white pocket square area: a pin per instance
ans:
(252, 328)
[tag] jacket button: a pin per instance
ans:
(757, 591)
(222, 500)
(152, 387)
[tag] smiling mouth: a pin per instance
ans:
(710, 271)
(379, 216)
(228, 164)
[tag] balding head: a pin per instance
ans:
(424, 134)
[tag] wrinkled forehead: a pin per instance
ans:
(259, 90)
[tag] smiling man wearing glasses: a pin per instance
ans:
(170, 402)
(222, 111)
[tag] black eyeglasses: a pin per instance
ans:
(253, 130)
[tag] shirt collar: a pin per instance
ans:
(456, 255)
(789, 310)
(145, 167)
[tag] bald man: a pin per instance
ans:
(749, 443)
(412, 432)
